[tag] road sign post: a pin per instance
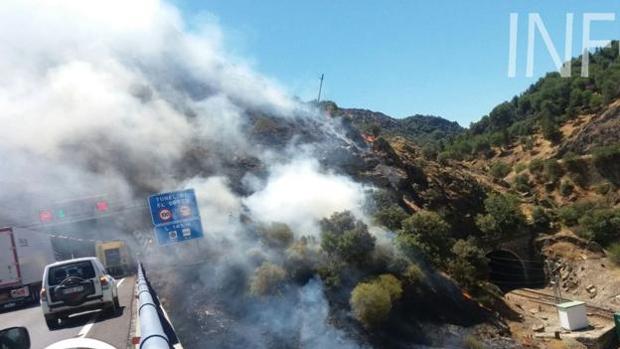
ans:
(175, 216)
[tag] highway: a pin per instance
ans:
(113, 330)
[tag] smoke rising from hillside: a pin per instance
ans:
(122, 98)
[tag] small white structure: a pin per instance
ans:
(573, 315)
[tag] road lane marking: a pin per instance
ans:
(120, 282)
(84, 331)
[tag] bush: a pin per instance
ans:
(570, 215)
(577, 169)
(268, 279)
(499, 169)
(520, 167)
(277, 235)
(540, 219)
(413, 275)
(552, 170)
(469, 264)
(371, 302)
(471, 342)
(392, 285)
(391, 217)
(607, 162)
(427, 232)
(522, 183)
(347, 238)
(504, 216)
(613, 252)
(536, 167)
(600, 225)
(566, 188)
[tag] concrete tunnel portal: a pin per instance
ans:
(507, 270)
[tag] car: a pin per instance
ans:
(74, 286)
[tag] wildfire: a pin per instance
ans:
(369, 138)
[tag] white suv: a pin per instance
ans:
(74, 286)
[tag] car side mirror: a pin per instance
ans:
(14, 338)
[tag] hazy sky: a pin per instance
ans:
(447, 58)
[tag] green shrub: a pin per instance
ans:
(570, 215)
(566, 188)
(520, 167)
(503, 216)
(471, 342)
(536, 167)
(600, 225)
(276, 235)
(469, 264)
(522, 183)
(613, 252)
(577, 169)
(372, 301)
(499, 169)
(607, 162)
(268, 279)
(413, 274)
(540, 219)
(390, 217)
(425, 232)
(392, 285)
(552, 170)
(347, 238)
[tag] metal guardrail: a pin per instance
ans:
(152, 334)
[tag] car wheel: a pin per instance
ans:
(51, 322)
(117, 304)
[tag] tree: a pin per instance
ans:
(372, 301)
(345, 237)
(427, 232)
(391, 217)
(550, 128)
(503, 216)
(469, 264)
(502, 116)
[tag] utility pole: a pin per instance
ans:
(320, 88)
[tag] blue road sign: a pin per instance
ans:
(175, 216)
(179, 231)
(174, 206)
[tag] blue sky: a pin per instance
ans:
(446, 58)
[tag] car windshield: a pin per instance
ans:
(82, 270)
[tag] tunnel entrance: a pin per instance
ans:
(507, 270)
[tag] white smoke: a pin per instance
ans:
(111, 97)
(299, 194)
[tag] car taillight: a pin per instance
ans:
(43, 295)
(104, 281)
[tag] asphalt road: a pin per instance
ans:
(113, 330)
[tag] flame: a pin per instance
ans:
(369, 138)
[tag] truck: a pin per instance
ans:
(24, 253)
(115, 257)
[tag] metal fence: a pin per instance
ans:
(154, 328)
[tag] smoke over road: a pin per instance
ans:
(123, 98)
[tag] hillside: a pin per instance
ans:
(420, 129)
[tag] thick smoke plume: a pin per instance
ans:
(122, 98)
